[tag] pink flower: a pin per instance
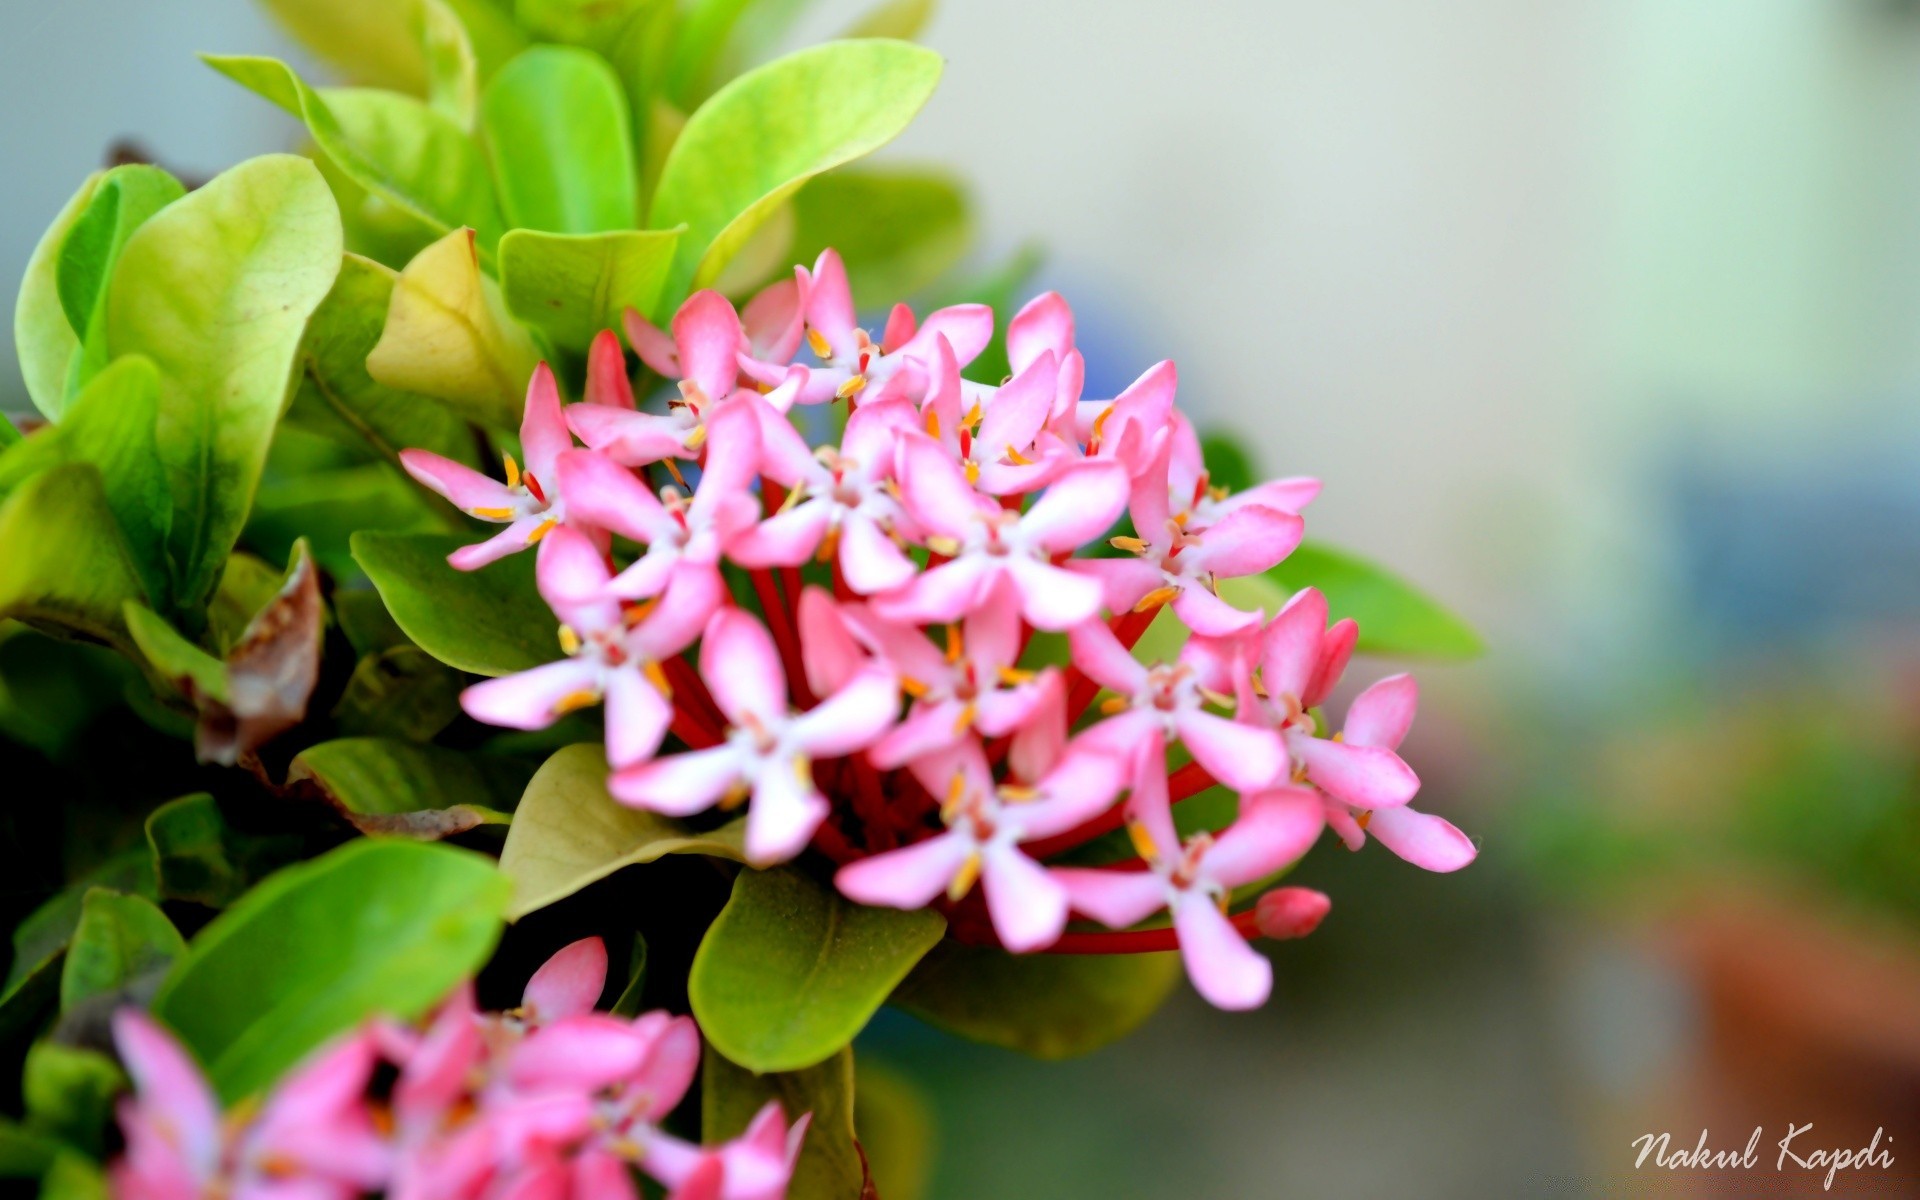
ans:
(769, 750)
(1195, 504)
(986, 822)
(313, 1133)
(757, 1165)
(1000, 438)
(1377, 721)
(699, 356)
(524, 502)
(681, 536)
(840, 502)
(1195, 881)
(989, 543)
(608, 658)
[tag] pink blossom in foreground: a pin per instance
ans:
(907, 647)
(528, 503)
(552, 1099)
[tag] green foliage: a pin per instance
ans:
(42, 335)
(402, 692)
(1046, 1005)
(123, 201)
(69, 1091)
(898, 230)
(568, 832)
(120, 939)
(829, 1166)
(895, 1126)
(490, 622)
(216, 290)
(40, 941)
(791, 970)
(1395, 617)
(757, 140)
(555, 125)
(572, 286)
(385, 785)
(63, 563)
(377, 926)
(194, 854)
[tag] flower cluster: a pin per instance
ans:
(550, 1101)
(886, 707)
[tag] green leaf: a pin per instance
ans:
(574, 285)
(196, 855)
(73, 1177)
(453, 72)
(126, 197)
(377, 926)
(790, 970)
(568, 832)
(895, 1127)
(69, 1092)
(490, 622)
(595, 24)
(555, 124)
(766, 133)
(394, 146)
(629, 1003)
(402, 692)
(52, 690)
(379, 42)
(1046, 1005)
(26, 1153)
(903, 19)
(112, 424)
(40, 941)
(703, 33)
(216, 290)
(1395, 617)
(247, 585)
(383, 785)
(829, 1167)
(331, 506)
(63, 561)
(448, 335)
(42, 335)
(120, 939)
(197, 674)
(898, 230)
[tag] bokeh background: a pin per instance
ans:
(1601, 319)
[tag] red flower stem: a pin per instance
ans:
(692, 698)
(870, 804)
(1189, 780)
(1138, 941)
(778, 611)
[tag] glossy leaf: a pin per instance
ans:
(1046, 1005)
(1395, 617)
(829, 1166)
(761, 137)
(790, 970)
(396, 147)
(195, 854)
(126, 197)
(575, 285)
(448, 335)
(384, 785)
(335, 386)
(63, 561)
(328, 506)
(490, 622)
(112, 424)
(42, 336)
(216, 290)
(555, 124)
(568, 832)
(898, 230)
(120, 939)
(377, 926)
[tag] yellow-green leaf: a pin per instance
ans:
(555, 123)
(574, 285)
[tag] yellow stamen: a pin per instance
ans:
(1142, 841)
(851, 388)
(803, 771)
(964, 878)
(828, 544)
(734, 796)
(1099, 423)
(1341, 736)
(973, 472)
(1014, 676)
(940, 543)
(513, 471)
(657, 677)
(569, 640)
(673, 469)
(1132, 545)
(956, 792)
(1017, 458)
(541, 530)
(955, 647)
(492, 514)
(697, 438)
(933, 424)
(972, 419)
(912, 687)
(964, 721)
(1115, 704)
(584, 698)
(1363, 818)
(1155, 598)
(633, 614)
(1219, 698)
(1014, 793)
(818, 342)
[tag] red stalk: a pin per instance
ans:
(1138, 941)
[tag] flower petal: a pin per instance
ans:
(1225, 970)
(1054, 599)
(784, 814)
(1078, 506)
(171, 1089)
(1363, 776)
(850, 719)
(569, 983)
(1381, 715)
(606, 495)
(1028, 906)
(467, 488)
(679, 785)
(742, 668)
(531, 699)
(1244, 757)
(906, 878)
(1044, 325)
(543, 429)
(1116, 899)
(1274, 828)
(1100, 657)
(830, 303)
(1423, 839)
(1290, 647)
(869, 560)
(1250, 540)
(706, 331)
(607, 381)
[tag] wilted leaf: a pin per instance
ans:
(766, 133)
(569, 832)
(120, 939)
(490, 622)
(555, 123)
(829, 1166)
(377, 926)
(382, 785)
(791, 970)
(574, 285)
(216, 290)
(448, 335)
(1046, 1005)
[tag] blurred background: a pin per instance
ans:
(1601, 320)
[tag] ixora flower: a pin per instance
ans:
(892, 706)
(551, 1099)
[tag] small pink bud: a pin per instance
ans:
(1290, 912)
